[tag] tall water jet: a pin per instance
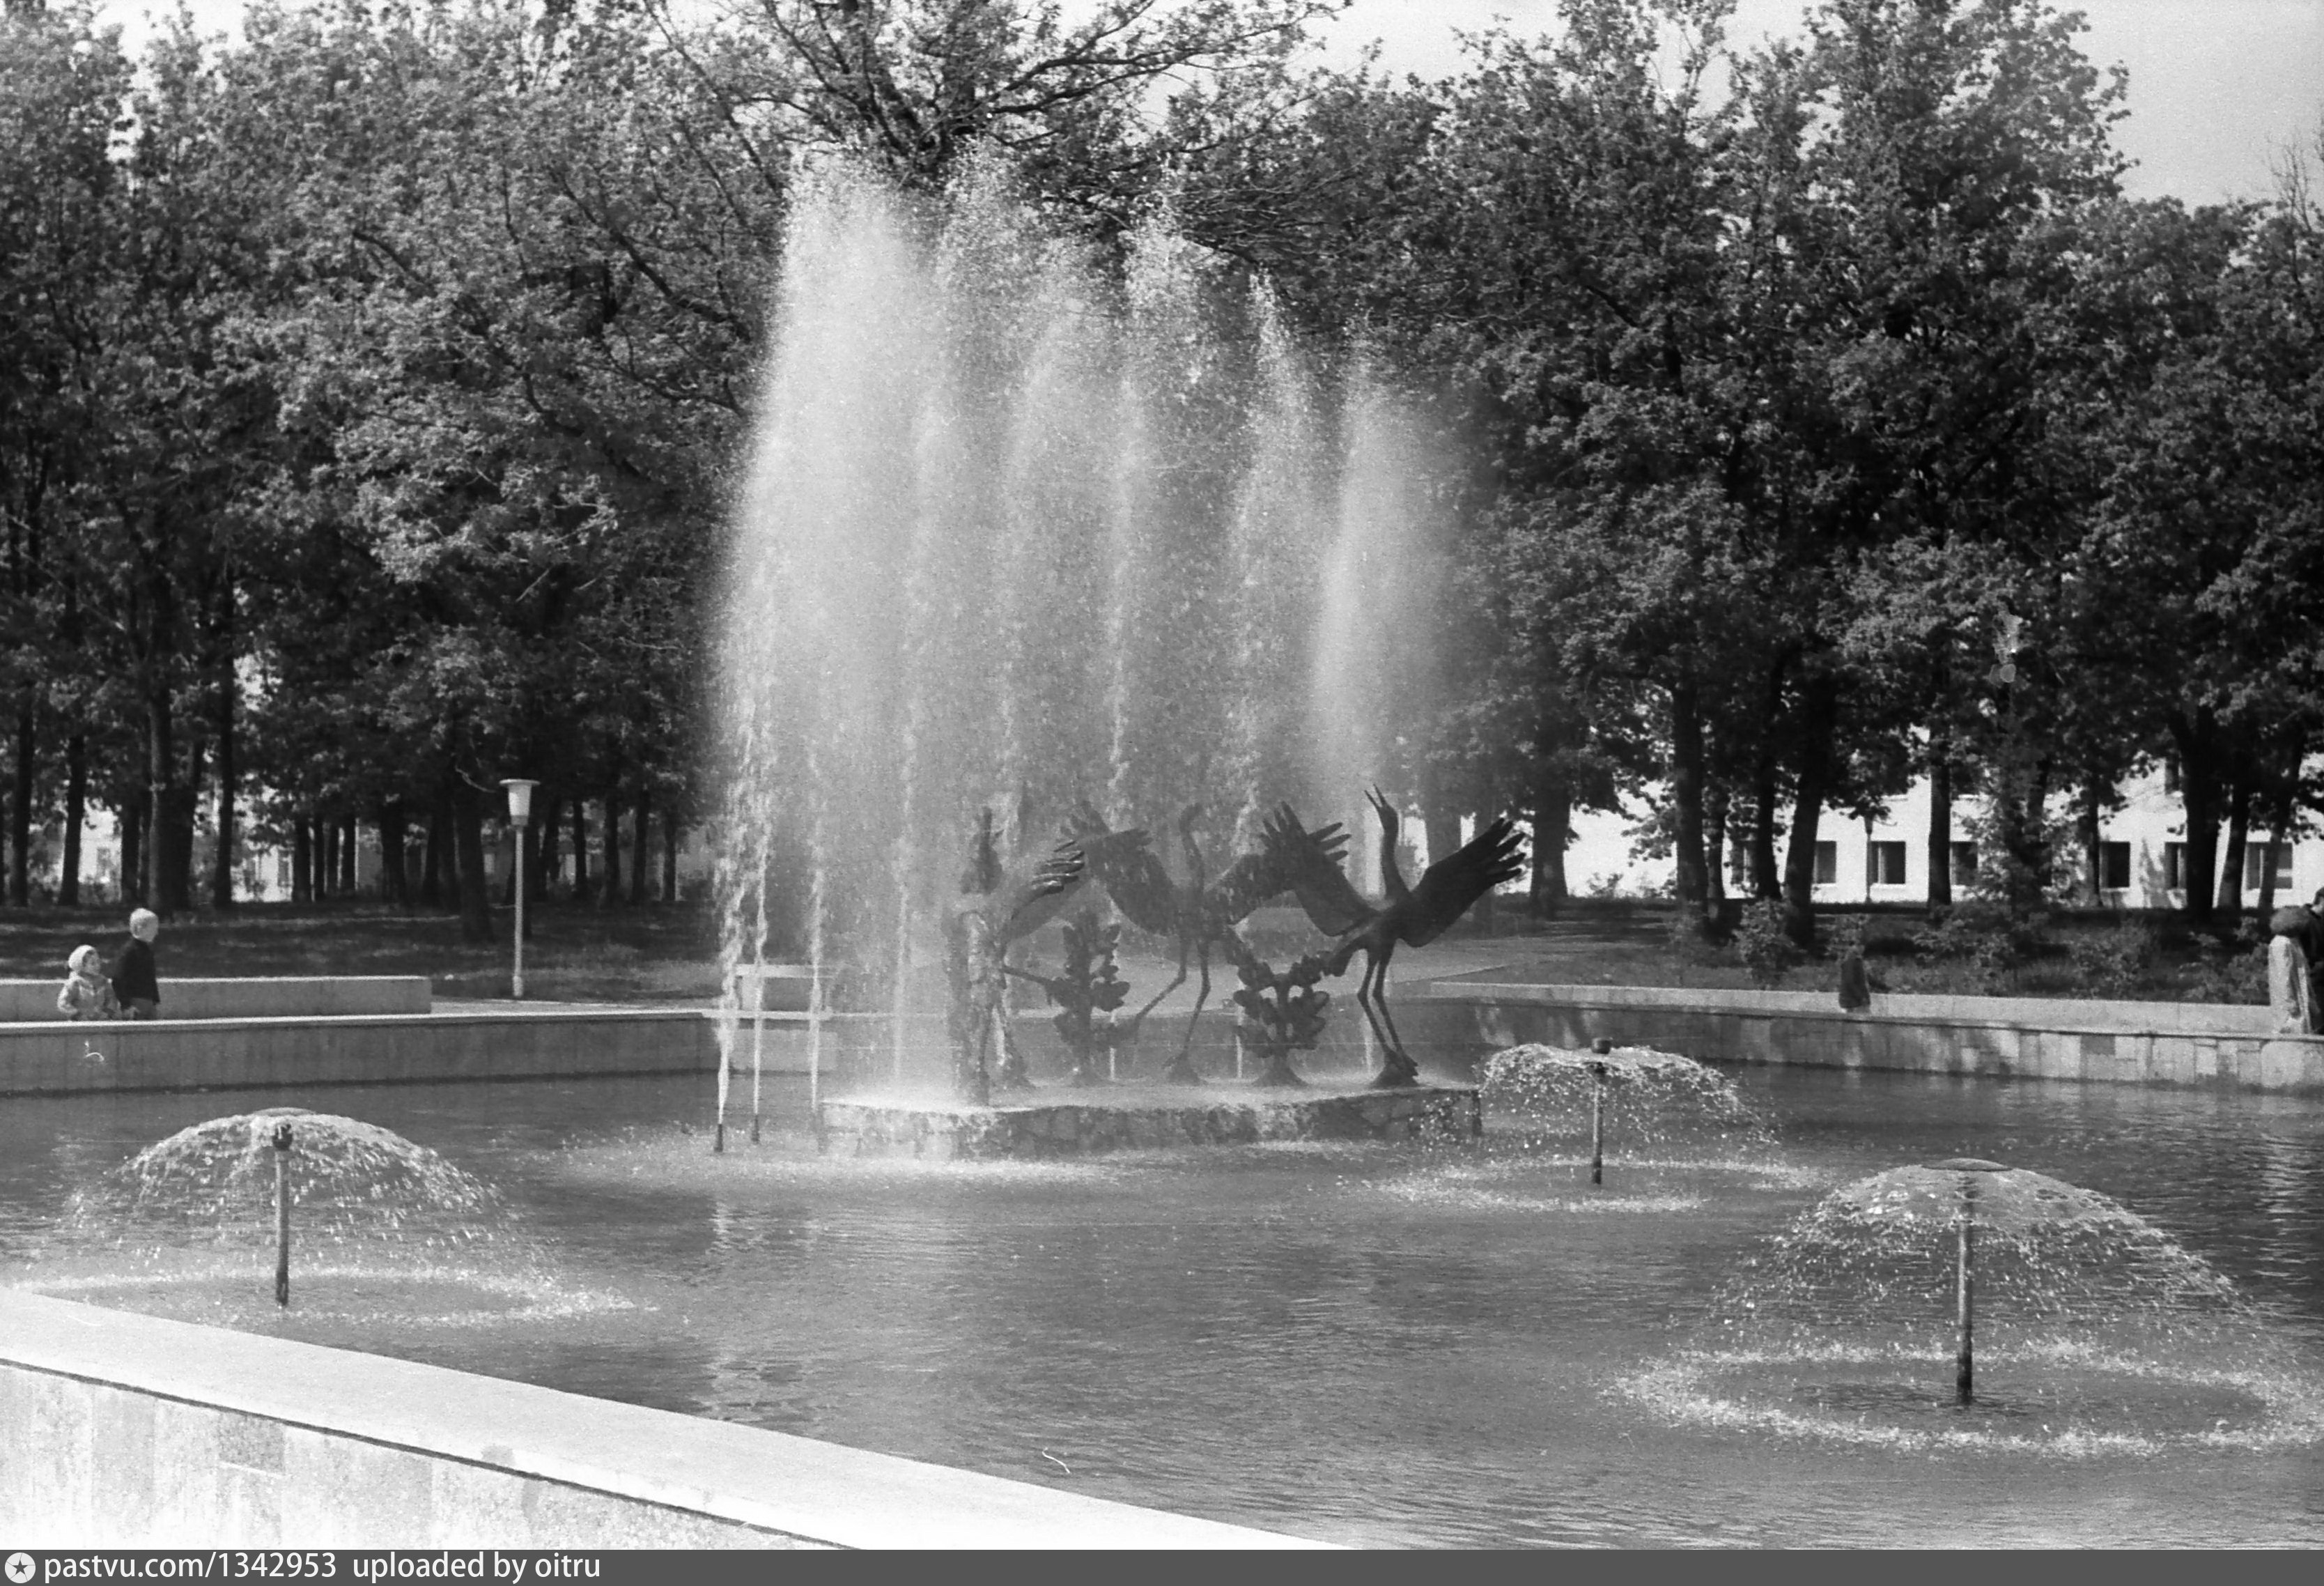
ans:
(1373, 673)
(1019, 532)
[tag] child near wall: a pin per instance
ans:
(86, 994)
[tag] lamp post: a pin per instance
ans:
(519, 798)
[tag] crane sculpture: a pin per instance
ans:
(1413, 916)
(1202, 915)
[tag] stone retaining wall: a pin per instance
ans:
(2056, 1040)
(124, 1430)
(253, 997)
(171, 1054)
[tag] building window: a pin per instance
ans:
(1964, 864)
(2171, 773)
(2174, 865)
(2257, 856)
(1885, 863)
(1827, 863)
(2114, 866)
(282, 870)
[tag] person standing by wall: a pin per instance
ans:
(134, 981)
(86, 994)
(2290, 989)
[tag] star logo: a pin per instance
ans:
(19, 1568)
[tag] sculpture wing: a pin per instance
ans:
(1031, 896)
(1246, 883)
(1125, 864)
(1308, 866)
(1494, 856)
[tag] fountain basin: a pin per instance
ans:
(1083, 1123)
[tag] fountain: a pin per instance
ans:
(1039, 549)
(1963, 1303)
(383, 1227)
(1659, 1106)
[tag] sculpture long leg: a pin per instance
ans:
(1181, 1071)
(1400, 1069)
(1397, 1068)
(1364, 1000)
(1185, 948)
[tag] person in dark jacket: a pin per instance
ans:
(2310, 938)
(133, 969)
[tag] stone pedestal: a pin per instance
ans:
(1074, 1123)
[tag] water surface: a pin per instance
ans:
(1370, 1345)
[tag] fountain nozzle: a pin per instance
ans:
(282, 1213)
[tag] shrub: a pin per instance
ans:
(1983, 934)
(1760, 942)
(2115, 962)
(1689, 939)
(2235, 971)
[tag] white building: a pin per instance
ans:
(2142, 848)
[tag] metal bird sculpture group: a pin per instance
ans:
(1202, 915)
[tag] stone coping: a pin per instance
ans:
(2094, 1016)
(287, 996)
(516, 1012)
(773, 1482)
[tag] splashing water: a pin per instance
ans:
(1655, 1102)
(214, 1183)
(381, 1227)
(2095, 1332)
(1022, 529)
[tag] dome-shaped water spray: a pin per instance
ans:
(382, 1224)
(1645, 1100)
(2068, 1321)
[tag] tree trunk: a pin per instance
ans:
(132, 818)
(468, 842)
(611, 894)
(1686, 796)
(394, 878)
(580, 851)
(303, 861)
(1714, 848)
(639, 850)
(1553, 819)
(76, 813)
(222, 861)
(2280, 818)
(2200, 795)
(327, 855)
(1940, 822)
(2086, 824)
(1820, 705)
(669, 854)
(2229, 904)
(347, 857)
(170, 829)
(432, 861)
(1765, 884)
(546, 867)
(20, 814)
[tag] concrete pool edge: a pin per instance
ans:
(2224, 1047)
(122, 1430)
(2094, 1043)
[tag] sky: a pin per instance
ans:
(2219, 89)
